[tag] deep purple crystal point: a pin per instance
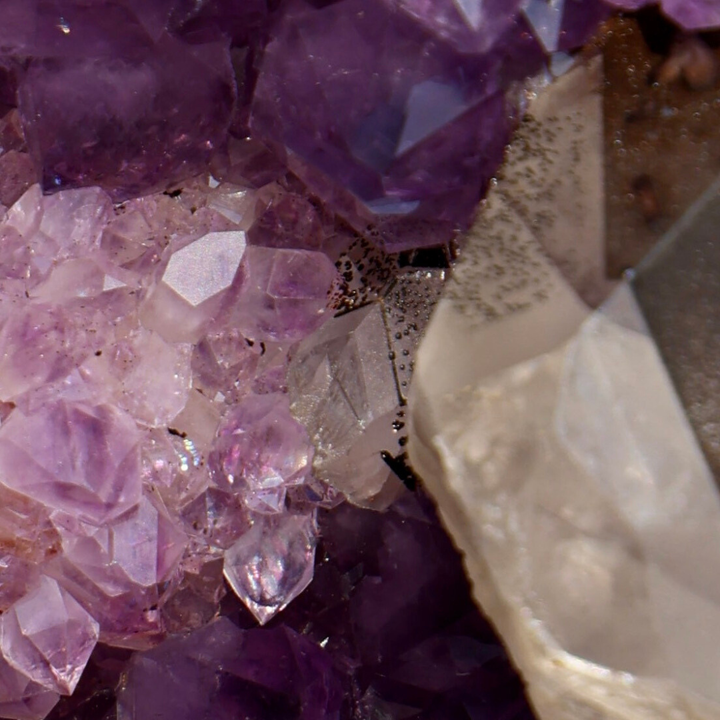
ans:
(222, 673)
(397, 129)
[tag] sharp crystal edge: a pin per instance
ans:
(563, 462)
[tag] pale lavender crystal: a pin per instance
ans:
(151, 378)
(139, 549)
(284, 294)
(173, 467)
(260, 451)
(75, 457)
(38, 344)
(205, 268)
(217, 518)
(22, 698)
(48, 636)
(224, 361)
(75, 220)
(272, 563)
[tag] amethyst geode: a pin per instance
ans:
(162, 337)
(386, 630)
(395, 113)
(130, 123)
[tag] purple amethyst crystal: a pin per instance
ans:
(260, 451)
(73, 457)
(396, 128)
(223, 673)
(131, 123)
(285, 294)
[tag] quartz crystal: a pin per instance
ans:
(48, 636)
(260, 452)
(344, 392)
(223, 672)
(272, 563)
(74, 457)
(101, 117)
(595, 566)
(677, 289)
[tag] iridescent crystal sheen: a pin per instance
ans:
(272, 563)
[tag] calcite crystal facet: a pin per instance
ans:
(568, 473)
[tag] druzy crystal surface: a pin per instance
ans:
(211, 297)
(145, 429)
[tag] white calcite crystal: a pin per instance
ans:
(567, 472)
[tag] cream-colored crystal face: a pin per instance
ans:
(206, 266)
(560, 456)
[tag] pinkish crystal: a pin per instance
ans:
(217, 517)
(284, 293)
(137, 550)
(272, 563)
(260, 451)
(48, 636)
(22, 698)
(75, 457)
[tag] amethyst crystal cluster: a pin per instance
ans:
(205, 345)
(394, 112)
